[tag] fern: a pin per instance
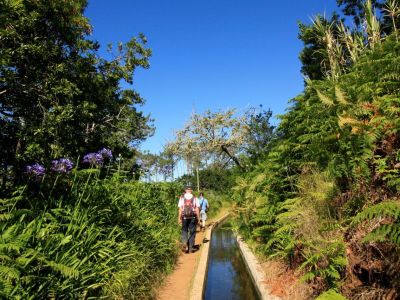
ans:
(330, 295)
(9, 273)
(384, 209)
(68, 252)
(326, 260)
(387, 210)
(341, 96)
(63, 269)
(6, 288)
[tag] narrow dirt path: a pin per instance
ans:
(177, 285)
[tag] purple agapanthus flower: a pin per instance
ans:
(62, 165)
(94, 159)
(36, 169)
(105, 153)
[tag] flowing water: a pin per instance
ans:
(227, 276)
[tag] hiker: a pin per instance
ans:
(187, 217)
(204, 206)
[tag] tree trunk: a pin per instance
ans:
(224, 149)
(198, 179)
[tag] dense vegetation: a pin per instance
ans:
(325, 198)
(320, 191)
(58, 97)
(80, 235)
(74, 224)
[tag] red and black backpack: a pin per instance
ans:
(188, 211)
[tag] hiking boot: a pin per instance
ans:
(184, 247)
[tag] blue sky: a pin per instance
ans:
(209, 54)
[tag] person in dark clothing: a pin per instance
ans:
(187, 217)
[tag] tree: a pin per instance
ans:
(213, 177)
(166, 164)
(212, 133)
(387, 9)
(260, 133)
(314, 56)
(356, 8)
(57, 96)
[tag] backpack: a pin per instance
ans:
(203, 204)
(188, 211)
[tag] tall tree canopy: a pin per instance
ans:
(58, 97)
(356, 8)
(218, 133)
(260, 133)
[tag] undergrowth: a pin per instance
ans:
(101, 237)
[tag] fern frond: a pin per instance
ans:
(6, 288)
(341, 96)
(66, 271)
(11, 246)
(347, 120)
(325, 99)
(309, 276)
(9, 273)
(330, 295)
(384, 209)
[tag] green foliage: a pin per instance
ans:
(331, 176)
(356, 8)
(330, 295)
(260, 133)
(313, 56)
(58, 97)
(212, 178)
(326, 261)
(217, 201)
(102, 237)
(386, 216)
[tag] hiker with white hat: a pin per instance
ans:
(187, 217)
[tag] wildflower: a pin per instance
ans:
(105, 153)
(94, 159)
(62, 165)
(36, 169)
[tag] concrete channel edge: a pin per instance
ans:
(255, 271)
(250, 260)
(198, 285)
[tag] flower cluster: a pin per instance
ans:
(106, 153)
(36, 169)
(94, 159)
(97, 158)
(62, 165)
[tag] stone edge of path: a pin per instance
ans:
(255, 270)
(198, 284)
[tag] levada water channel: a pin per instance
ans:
(227, 276)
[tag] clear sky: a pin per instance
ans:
(209, 54)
